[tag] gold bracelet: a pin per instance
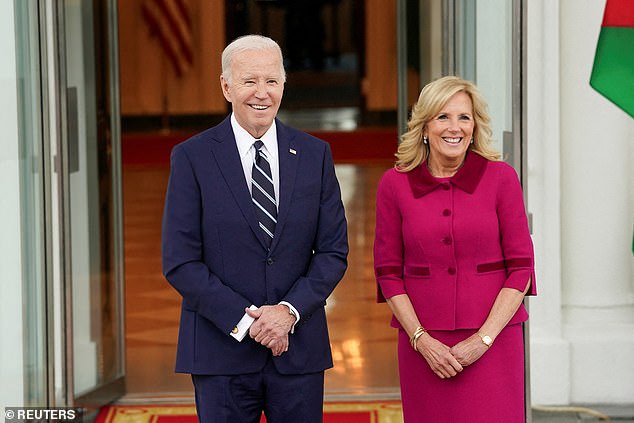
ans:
(417, 334)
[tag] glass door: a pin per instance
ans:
(89, 195)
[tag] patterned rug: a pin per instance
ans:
(339, 412)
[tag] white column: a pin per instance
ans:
(596, 219)
(549, 356)
(11, 355)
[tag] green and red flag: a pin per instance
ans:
(613, 70)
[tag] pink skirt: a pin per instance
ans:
(489, 390)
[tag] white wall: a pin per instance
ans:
(596, 219)
(581, 192)
(11, 353)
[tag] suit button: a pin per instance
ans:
(445, 186)
(270, 260)
(446, 212)
(451, 270)
(446, 240)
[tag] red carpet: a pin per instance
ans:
(351, 412)
(364, 145)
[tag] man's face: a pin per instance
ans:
(255, 89)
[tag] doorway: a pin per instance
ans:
(375, 77)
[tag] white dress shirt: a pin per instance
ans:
(246, 150)
(245, 141)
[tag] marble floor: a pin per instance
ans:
(363, 344)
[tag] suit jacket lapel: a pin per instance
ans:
(225, 153)
(288, 155)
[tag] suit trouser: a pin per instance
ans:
(243, 398)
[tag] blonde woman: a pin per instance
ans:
(454, 260)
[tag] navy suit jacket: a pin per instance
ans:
(214, 253)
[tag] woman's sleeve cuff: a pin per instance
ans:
(517, 279)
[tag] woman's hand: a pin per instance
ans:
(438, 356)
(470, 350)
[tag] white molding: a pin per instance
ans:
(550, 371)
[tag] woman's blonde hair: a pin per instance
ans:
(412, 152)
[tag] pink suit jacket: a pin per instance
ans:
(452, 244)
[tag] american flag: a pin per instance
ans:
(170, 21)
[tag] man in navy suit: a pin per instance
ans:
(244, 272)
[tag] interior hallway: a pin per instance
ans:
(363, 344)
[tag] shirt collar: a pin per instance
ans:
(245, 141)
(467, 178)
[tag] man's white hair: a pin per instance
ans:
(246, 43)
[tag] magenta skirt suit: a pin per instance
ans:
(451, 245)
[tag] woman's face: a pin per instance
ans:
(451, 130)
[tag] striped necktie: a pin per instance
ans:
(263, 194)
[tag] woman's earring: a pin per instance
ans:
(471, 140)
(425, 140)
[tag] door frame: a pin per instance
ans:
(60, 126)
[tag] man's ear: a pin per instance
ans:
(224, 85)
